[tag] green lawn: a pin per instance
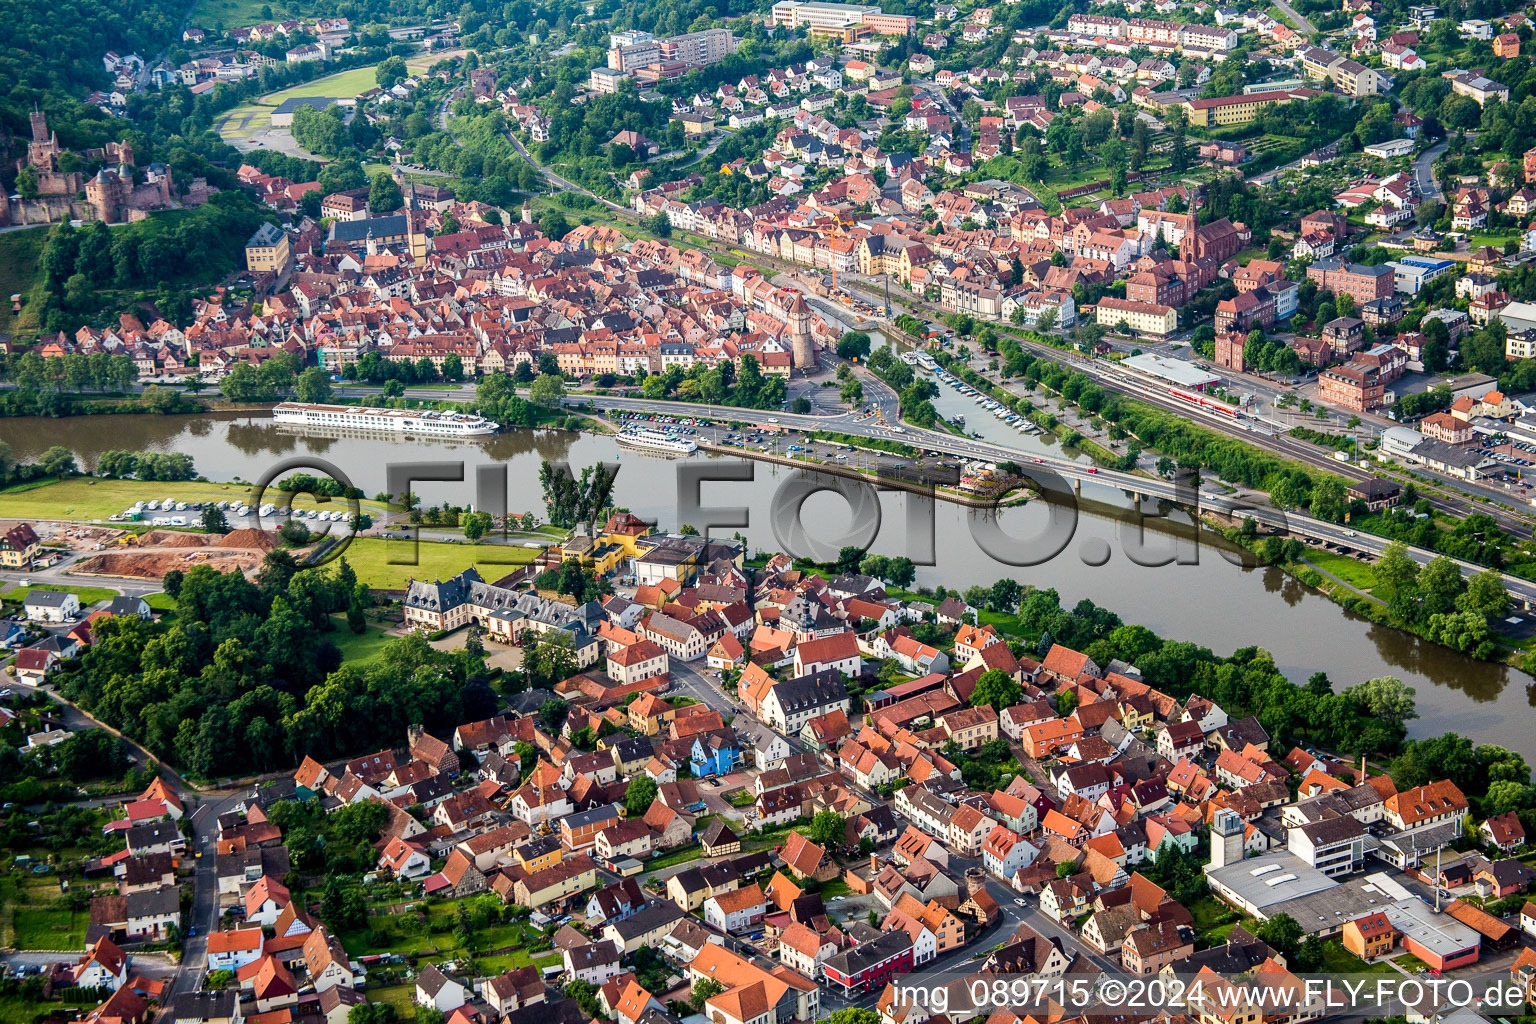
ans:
(409, 934)
(390, 563)
(1338, 960)
(1352, 571)
(682, 855)
(344, 85)
(401, 997)
(89, 498)
(522, 958)
(359, 648)
(1213, 919)
(19, 1009)
(87, 595)
(29, 918)
(19, 253)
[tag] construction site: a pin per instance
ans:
(151, 555)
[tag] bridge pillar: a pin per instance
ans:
(1077, 486)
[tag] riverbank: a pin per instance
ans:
(1177, 579)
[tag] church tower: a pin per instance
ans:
(801, 352)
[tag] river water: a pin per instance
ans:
(1211, 600)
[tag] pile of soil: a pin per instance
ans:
(153, 565)
(254, 540)
(171, 539)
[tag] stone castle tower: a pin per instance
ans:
(801, 350)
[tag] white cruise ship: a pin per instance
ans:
(426, 422)
(656, 441)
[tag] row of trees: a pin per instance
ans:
(99, 371)
(118, 464)
(747, 388)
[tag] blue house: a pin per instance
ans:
(715, 753)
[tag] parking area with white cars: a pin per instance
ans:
(169, 512)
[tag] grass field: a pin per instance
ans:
(390, 563)
(87, 498)
(1356, 573)
(239, 13)
(87, 595)
(359, 648)
(401, 997)
(30, 920)
(19, 253)
(344, 85)
(405, 933)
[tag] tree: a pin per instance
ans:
(1440, 586)
(477, 525)
(213, 519)
(703, 990)
(1485, 595)
(1281, 932)
(357, 621)
(1396, 570)
(547, 389)
(372, 1013)
(554, 225)
(1385, 697)
(639, 796)
(853, 345)
(998, 689)
(826, 830)
(383, 194)
(313, 385)
(548, 661)
(58, 462)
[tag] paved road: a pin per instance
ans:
(1423, 167)
(1296, 18)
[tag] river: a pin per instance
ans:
(1211, 601)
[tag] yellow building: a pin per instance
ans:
(539, 855)
(266, 252)
(1140, 318)
(19, 546)
(1219, 111)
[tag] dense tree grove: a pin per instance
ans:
(245, 677)
(118, 464)
(82, 268)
